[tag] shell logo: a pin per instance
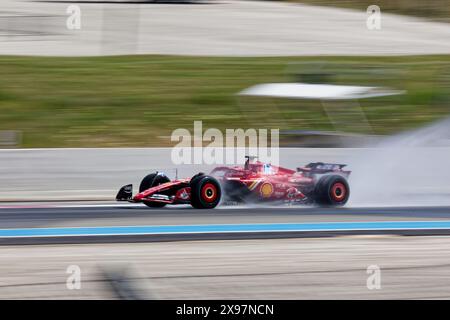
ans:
(266, 190)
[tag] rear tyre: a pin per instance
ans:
(332, 190)
(150, 181)
(205, 192)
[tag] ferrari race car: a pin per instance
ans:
(316, 183)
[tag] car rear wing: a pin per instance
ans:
(321, 167)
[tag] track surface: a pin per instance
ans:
(217, 28)
(308, 268)
(124, 216)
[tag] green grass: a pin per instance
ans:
(139, 100)
(432, 9)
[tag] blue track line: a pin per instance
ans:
(222, 228)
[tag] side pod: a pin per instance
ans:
(125, 193)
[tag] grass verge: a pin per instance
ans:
(139, 100)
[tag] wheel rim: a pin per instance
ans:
(209, 192)
(338, 191)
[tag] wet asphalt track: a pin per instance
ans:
(121, 215)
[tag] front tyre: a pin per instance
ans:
(332, 190)
(205, 192)
(150, 181)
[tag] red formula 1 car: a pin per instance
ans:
(316, 183)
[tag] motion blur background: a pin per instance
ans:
(195, 57)
(86, 110)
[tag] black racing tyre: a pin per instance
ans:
(196, 177)
(332, 190)
(150, 181)
(205, 192)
